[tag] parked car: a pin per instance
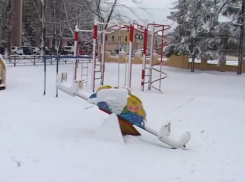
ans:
(67, 50)
(16, 50)
(27, 50)
(141, 50)
(36, 50)
(48, 51)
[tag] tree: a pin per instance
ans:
(235, 9)
(113, 10)
(43, 23)
(59, 20)
(75, 12)
(227, 40)
(31, 23)
(197, 27)
(35, 23)
(106, 11)
(5, 28)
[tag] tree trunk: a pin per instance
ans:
(43, 2)
(193, 63)
(240, 59)
(6, 28)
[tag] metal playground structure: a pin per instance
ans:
(98, 65)
(125, 109)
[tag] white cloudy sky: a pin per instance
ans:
(158, 9)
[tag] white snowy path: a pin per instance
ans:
(43, 138)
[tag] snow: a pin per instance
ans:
(70, 89)
(110, 131)
(115, 98)
(83, 95)
(44, 138)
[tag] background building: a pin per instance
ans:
(121, 37)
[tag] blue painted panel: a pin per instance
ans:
(133, 118)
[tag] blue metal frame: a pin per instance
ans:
(67, 57)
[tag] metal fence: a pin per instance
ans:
(39, 60)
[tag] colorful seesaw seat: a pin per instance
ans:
(133, 112)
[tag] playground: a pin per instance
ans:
(129, 119)
(44, 138)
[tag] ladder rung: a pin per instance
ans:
(97, 78)
(84, 67)
(97, 71)
(84, 75)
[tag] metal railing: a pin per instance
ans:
(25, 60)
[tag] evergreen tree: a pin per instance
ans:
(231, 10)
(197, 26)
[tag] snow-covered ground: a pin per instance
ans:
(44, 138)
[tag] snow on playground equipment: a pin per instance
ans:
(3, 68)
(117, 101)
(129, 111)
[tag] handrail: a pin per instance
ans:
(38, 60)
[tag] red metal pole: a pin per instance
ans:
(131, 39)
(144, 60)
(94, 55)
(75, 54)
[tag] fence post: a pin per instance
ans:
(14, 61)
(34, 61)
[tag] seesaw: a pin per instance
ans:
(128, 108)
